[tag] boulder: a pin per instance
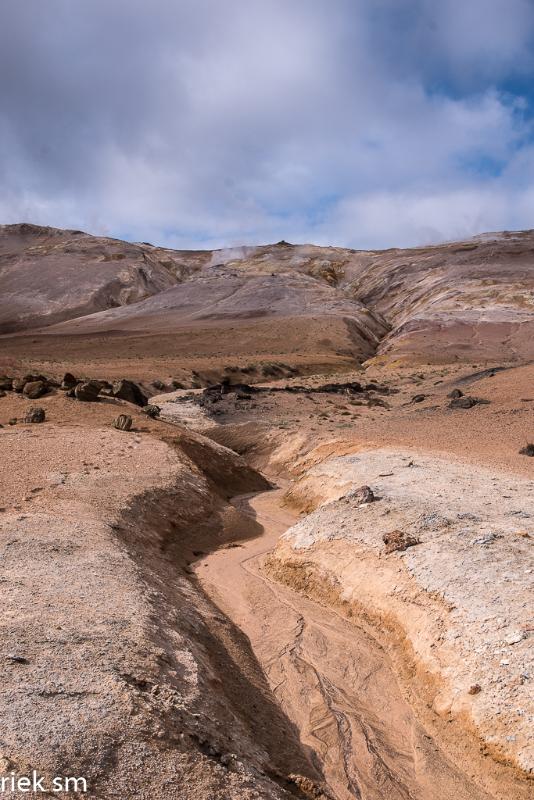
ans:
(69, 381)
(463, 402)
(397, 540)
(87, 392)
(129, 391)
(36, 414)
(123, 422)
(152, 410)
(455, 394)
(363, 494)
(2, 393)
(34, 389)
(6, 384)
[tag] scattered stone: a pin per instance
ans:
(87, 392)
(528, 450)
(34, 389)
(475, 689)
(514, 638)
(152, 410)
(129, 391)
(12, 421)
(364, 494)
(376, 401)
(418, 398)
(455, 394)
(34, 414)
(463, 402)
(6, 384)
(16, 659)
(69, 381)
(397, 540)
(123, 422)
(489, 538)
(159, 385)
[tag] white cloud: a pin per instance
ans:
(209, 124)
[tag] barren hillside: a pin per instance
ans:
(266, 520)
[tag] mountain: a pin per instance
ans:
(303, 308)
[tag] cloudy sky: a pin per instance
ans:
(206, 123)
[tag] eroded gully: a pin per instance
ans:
(330, 677)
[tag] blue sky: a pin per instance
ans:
(361, 123)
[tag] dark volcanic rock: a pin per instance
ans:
(354, 387)
(463, 402)
(123, 422)
(18, 384)
(130, 391)
(363, 494)
(69, 381)
(88, 392)
(36, 414)
(152, 411)
(34, 389)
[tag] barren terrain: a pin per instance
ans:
(207, 604)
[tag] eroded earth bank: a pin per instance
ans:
(175, 626)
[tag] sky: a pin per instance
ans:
(215, 123)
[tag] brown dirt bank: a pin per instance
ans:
(115, 667)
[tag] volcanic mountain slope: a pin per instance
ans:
(48, 275)
(160, 313)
